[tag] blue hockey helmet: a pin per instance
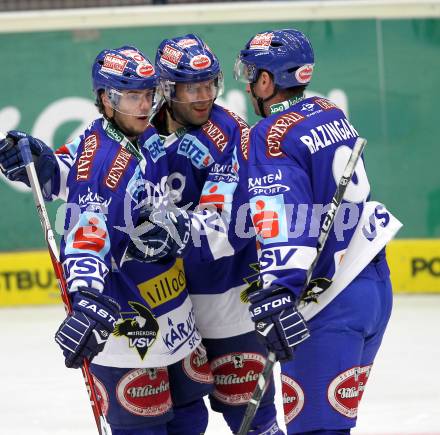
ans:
(124, 68)
(287, 54)
(186, 59)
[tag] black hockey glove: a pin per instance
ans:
(11, 162)
(85, 331)
(278, 323)
(162, 233)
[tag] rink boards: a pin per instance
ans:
(27, 278)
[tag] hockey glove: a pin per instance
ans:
(85, 331)
(11, 162)
(278, 323)
(166, 234)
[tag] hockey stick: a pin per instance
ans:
(101, 421)
(327, 224)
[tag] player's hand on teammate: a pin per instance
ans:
(11, 162)
(163, 232)
(277, 321)
(85, 331)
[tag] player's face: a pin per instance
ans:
(131, 126)
(130, 110)
(263, 88)
(193, 102)
(253, 99)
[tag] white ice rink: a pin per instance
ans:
(39, 396)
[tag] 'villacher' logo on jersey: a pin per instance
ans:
(102, 395)
(293, 398)
(140, 330)
(235, 376)
(196, 366)
(345, 391)
(278, 130)
(145, 392)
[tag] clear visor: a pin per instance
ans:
(137, 103)
(244, 72)
(208, 90)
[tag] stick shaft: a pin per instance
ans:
(101, 422)
(329, 218)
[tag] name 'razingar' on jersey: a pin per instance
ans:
(328, 134)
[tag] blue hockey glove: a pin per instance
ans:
(85, 331)
(11, 162)
(165, 233)
(278, 323)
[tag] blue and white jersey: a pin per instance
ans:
(296, 158)
(205, 171)
(107, 179)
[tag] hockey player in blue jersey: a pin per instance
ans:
(296, 156)
(201, 140)
(134, 321)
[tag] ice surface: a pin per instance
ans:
(39, 396)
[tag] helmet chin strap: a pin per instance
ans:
(260, 100)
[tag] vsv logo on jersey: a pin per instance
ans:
(155, 146)
(269, 218)
(141, 330)
(276, 258)
(86, 271)
(380, 217)
(193, 149)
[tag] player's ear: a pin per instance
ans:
(107, 105)
(105, 100)
(266, 81)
